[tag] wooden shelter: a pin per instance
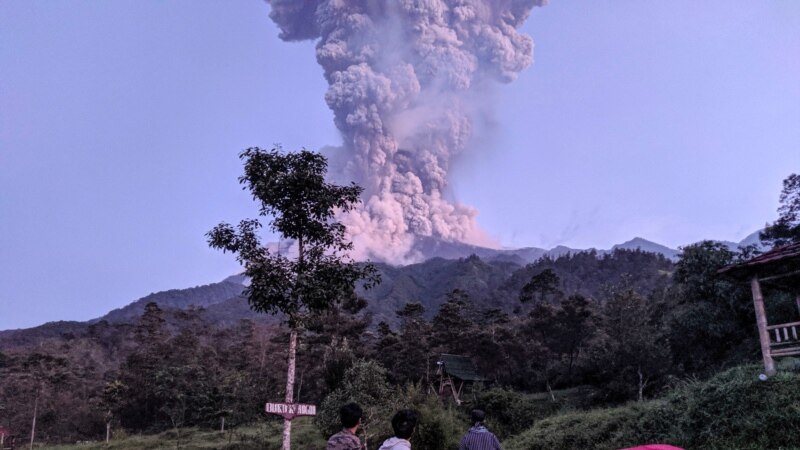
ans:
(454, 372)
(778, 268)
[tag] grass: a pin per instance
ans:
(733, 410)
(266, 436)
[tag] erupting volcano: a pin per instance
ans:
(406, 78)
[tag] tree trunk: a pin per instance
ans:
(33, 425)
(108, 432)
(178, 434)
(571, 361)
(222, 425)
(550, 390)
(262, 363)
(642, 383)
(287, 423)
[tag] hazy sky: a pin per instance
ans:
(121, 122)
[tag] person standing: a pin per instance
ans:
(478, 437)
(403, 424)
(346, 439)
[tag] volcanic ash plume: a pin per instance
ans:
(404, 76)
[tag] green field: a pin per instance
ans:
(263, 436)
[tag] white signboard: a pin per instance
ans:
(289, 410)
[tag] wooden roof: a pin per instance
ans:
(460, 367)
(781, 266)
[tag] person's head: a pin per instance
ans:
(404, 423)
(351, 415)
(477, 416)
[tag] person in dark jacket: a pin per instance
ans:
(478, 437)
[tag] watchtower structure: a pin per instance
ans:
(455, 371)
(778, 268)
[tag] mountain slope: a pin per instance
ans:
(492, 277)
(200, 296)
(647, 246)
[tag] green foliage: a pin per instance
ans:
(509, 412)
(731, 410)
(697, 269)
(365, 384)
(631, 353)
(786, 229)
(544, 283)
(564, 331)
(406, 354)
(588, 273)
(440, 426)
(191, 378)
(452, 328)
(291, 188)
(708, 317)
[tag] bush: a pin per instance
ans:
(364, 383)
(440, 426)
(731, 410)
(735, 409)
(509, 413)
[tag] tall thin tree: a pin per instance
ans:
(291, 189)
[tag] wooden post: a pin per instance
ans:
(761, 321)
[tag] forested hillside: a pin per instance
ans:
(608, 328)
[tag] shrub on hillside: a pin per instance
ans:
(364, 383)
(509, 412)
(735, 409)
(731, 410)
(440, 426)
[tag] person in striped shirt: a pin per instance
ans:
(478, 437)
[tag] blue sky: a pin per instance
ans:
(121, 122)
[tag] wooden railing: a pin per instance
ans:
(784, 339)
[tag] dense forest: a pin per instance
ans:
(612, 328)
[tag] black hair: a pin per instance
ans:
(477, 416)
(350, 413)
(404, 423)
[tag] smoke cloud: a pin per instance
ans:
(403, 76)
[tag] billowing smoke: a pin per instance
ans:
(404, 77)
